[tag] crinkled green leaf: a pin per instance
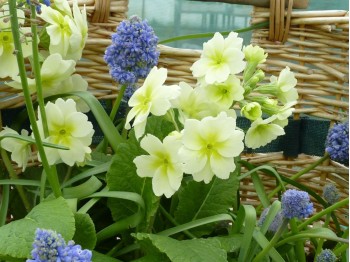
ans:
(85, 234)
(98, 257)
(230, 243)
(17, 237)
(201, 250)
(199, 200)
(122, 177)
(159, 127)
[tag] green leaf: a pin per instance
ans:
(98, 257)
(17, 237)
(196, 223)
(122, 177)
(31, 140)
(211, 34)
(87, 188)
(159, 127)
(324, 233)
(123, 224)
(85, 234)
(103, 120)
(264, 242)
(102, 168)
(199, 200)
(230, 243)
(201, 250)
(249, 225)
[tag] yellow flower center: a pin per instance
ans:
(6, 38)
(209, 146)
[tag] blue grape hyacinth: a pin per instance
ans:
(331, 193)
(337, 142)
(326, 255)
(133, 52)
(276, 223)
(296, 204)
(49, 246)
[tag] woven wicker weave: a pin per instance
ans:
(315, 47)
(103, 17)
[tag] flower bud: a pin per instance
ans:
(254, 54)
(252, 111)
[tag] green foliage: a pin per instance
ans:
(98, 257)
(85, 234)
(199, 200)
(201, 250)
(17, 237)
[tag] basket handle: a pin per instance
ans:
(279, 28)
(102, 9)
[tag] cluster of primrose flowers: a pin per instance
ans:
(206, 139)
(67, 29)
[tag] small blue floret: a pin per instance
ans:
(296, 204)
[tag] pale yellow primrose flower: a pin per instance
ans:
(8, 60)
(262, 132)
(152, 97)
(191, 103)
(56, 77)
(254, 54)
(209, 147)
(162, 164)
(80, 19)
(69, 128)
(252, 111)
(286, 82)
(63, 7)
(224, 93)
(283, 114)
(67, 34)
(220, 58)
(20, 150)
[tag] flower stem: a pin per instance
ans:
(339, 250)
(36, 68)
(4, 204)
(299, 245)
(13, 175)
(171, 115)
(300, 173)
(173, 221)
(117, 102)
(321, 240)
(42, 185)
(273, 241)
(203, 35)
(50, 171)
(102, 146)
(326, 211)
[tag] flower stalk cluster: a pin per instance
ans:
(205, 116)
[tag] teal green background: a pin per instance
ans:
(171, 18)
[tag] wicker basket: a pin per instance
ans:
(103, 17)
(314, 44)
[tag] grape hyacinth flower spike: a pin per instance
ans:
(50, 246)
(337, 142)
(133, 52)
